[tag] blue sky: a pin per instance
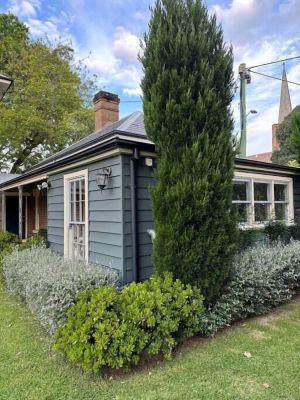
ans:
(106, 34)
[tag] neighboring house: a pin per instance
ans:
(93, 197)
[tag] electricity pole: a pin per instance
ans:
(245, 78)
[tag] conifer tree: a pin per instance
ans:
(188, 88)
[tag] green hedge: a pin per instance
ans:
(7, 240)
(264, 277)
(273, 231)
(10, 242)
(107, 328)
(48, 283)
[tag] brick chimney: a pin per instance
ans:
(106, 106)
(275, 144)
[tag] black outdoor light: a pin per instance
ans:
(5, 84)
(102, 177)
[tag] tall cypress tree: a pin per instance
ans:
(188, 88)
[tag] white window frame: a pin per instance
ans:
(83, 174)
(269, 201)
(286, 202)
(271, 180)
(247, 202)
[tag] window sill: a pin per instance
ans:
(262, 225)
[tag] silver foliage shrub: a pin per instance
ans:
(264, 277)
(50, 284)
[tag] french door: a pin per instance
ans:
(76, 232)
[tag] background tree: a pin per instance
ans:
(188, 88)
(288, 136)
(48, 107)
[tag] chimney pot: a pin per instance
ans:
(106, 106)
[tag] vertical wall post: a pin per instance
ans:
(3, 205)
(37, 210)
(20, 188)
(135, 267)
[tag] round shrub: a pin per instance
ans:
(106, 328)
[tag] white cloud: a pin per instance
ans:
(115, 62)
(40, 28)
(126, 45)
(24, 8)
(141, 16)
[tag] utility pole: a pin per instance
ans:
(245, 78)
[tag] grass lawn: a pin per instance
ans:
(202, 369)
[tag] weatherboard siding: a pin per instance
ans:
(105, 214)
(144, 180)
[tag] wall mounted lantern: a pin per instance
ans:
(102, 177)
(5, 84)
(43, 186)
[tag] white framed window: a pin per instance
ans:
(262, 201)
(76, 215)
(281, 201)
(261, 198)
(241, 199)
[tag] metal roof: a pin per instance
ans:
(132, 124)
(7, 177)
(127, 131)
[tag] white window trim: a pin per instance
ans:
(79, 174)
(270, 179)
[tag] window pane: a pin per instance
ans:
(82, 190)
(261, 212)
(242, 211)
(72, 211)
(260, 191)
(80, 253)
(71, 191)
(240, 191)
(77, 183)
(280, 211)
(83, 211)
(77, 217)
(81, 234)
(280, 192)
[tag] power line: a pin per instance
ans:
(273, 62)
(274, 77)
(132, 101)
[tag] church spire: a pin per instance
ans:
(285, 101)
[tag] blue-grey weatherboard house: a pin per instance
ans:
(92, 199)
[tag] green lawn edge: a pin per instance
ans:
(201, 369)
